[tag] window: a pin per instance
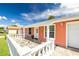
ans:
(51, 31)
(29, 30)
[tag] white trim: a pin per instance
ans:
(66, 35)
(44, 32)
(35, 32)
(54, 31)
(47, 32)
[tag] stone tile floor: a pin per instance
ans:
(25, 42)
(59, 51)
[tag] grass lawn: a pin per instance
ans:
(4, 50)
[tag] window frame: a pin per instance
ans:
(49, 31)
(53, 31)
(45, 31)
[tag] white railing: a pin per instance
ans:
(18, 36)
(15, 48)
(43, 49)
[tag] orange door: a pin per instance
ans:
(41, 34)
(60, 34)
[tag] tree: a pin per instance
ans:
(1, 28)
(14, 25)
(51, 17)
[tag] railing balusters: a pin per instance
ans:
(49, 47)
(39, 53)
(41, 49)
(46, 49)
(33, 54)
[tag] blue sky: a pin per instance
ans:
(27, 13)
(13, 13)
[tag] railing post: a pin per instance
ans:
(53, 45)
(39, 53)
(47, 32)
(49, 46)
(43, 50)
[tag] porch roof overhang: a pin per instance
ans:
(51, 22)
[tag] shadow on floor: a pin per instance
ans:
(73, 49)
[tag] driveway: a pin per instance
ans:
(59, 51)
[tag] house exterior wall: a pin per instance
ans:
(12, 32)
(60, 32)
(41, 34)
(60, 38)
(15, 31)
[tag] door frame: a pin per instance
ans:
(54, 31)
(35, 32)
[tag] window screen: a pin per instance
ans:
(51, 31)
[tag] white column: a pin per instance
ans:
(47, 32)
(23, 32)
(19, 31)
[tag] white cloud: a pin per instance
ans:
(3, 18)
(43, 15)
(13, 20)
(2, 25)
(70, 5)
(65, 9)
(26, 16)
(70, 9)
(18, 24)
(40, 16)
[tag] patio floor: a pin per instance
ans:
(25, 42)
(59, 51)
